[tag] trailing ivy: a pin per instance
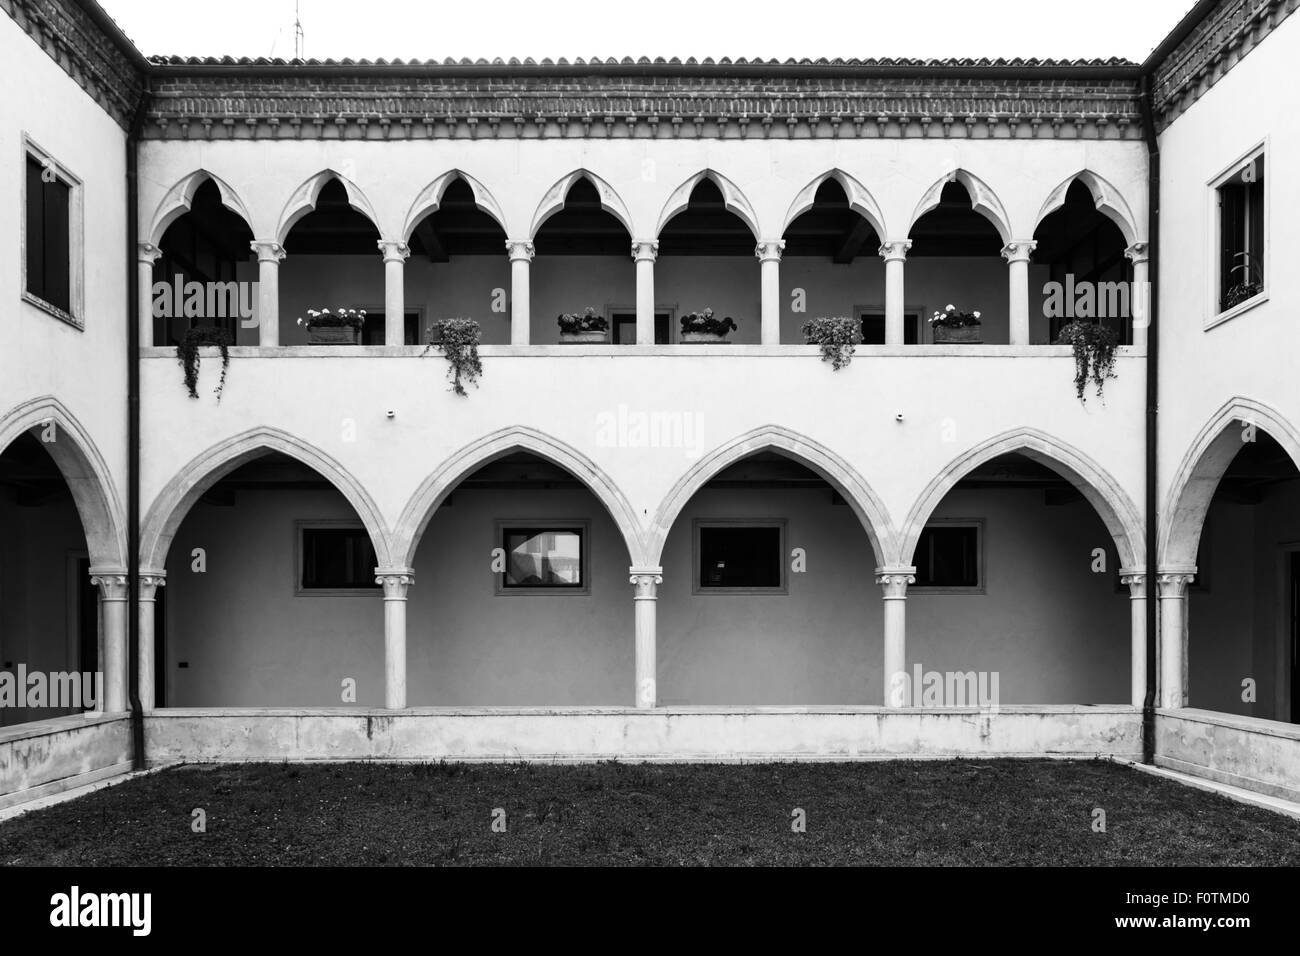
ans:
(837, 337)
(187, 352)
(1094, 354)
(458, 340)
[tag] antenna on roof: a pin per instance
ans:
(297, 33)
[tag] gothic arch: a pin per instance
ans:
(85, 471)
(1109, 201)
(860, 201)
(178, 496)
(735, 201)
(1203, 466)
(553, 201)
(304, 200)
(434, 490)
(983, 200)
(180, 198)
(1107, 497)
(430, 199)
(841, 475)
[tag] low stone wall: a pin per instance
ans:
(718, 733)
(49, 756)
(1259, 755)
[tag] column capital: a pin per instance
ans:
(520, 250)
(1173, 582)
(150, 582)
(394, 250)
(1019, 250)
(395, 582)
(112, 583)
(267, 251)
(1135, 581)
(895, 250)
(646, 581)
(769, 250)
(894, 581)
(1139, 252)
(147, 253)
(645, 250)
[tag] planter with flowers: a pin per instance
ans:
(587, 326)
(1250, 281)
(836, 336)
(341, 327)
(703, 327)
(953, 325)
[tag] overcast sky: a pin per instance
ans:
(423, 29)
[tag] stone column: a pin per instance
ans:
(645, 251)
(1140, 300)
(646, 581)
(269, 256)
(146, 645)
(521, 254)
(396, 582)
(146, 255)
(768, 252)
(395, 256)
(1017, 253)
(112, 621)
(1173, 635)
(894, 252)
(1137, 592)
(894, 581)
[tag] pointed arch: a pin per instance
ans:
(430, 199)
(1114, 506)
(868, 507)
(1202, 467)
(305, 197)
(178, 496)
(860, 201)
(434, 490)
(734, 200)
(83, 468)
(1108, 200)
(983, 200)
(553, 201)
(180, 198)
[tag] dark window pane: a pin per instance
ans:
(35, 229)
(57, 251)
(948, 557)
(623, 328)
(740, 557)
(337, 558)
(543, 557)
(372, 333)
(873, 328)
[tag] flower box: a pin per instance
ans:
(703, 327)
(332, 335)
(957, 335)
(704, 337)
(587, 336)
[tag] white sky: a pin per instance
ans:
(434, 29)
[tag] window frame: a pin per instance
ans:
(421, 326)
(1216, 314)
(616, 309)
(75, 315)
(326, 524)
(980, 567)
(862, 311)
(583, 526)
(698, 524)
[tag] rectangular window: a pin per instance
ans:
(336, 558)
(949, 556)
(873, 327)
(50, 228)
(623, 328)
(372, 333)
(1241, 233)
(544, 557)
(740, 556)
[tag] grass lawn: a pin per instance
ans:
(1003, 812)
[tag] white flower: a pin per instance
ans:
(950, 307)
(976, 314)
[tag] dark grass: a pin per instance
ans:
(947, 813)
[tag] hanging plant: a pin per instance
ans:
(837, 337)
(458, 340)
(1094, 354)
(187, 351)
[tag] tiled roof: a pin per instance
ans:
(561, 63)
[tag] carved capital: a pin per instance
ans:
(267, 251)
(895, 250)
(1173, 582)
(520, 250)
(1135, 581)
(150, 582)
(646, 581)
(645, 249)
(395, 582)
(1138, 252)
(112, 584)
(394, 251)
(1019, 250)
(894, 581)
(148, 253)
(769, 250)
